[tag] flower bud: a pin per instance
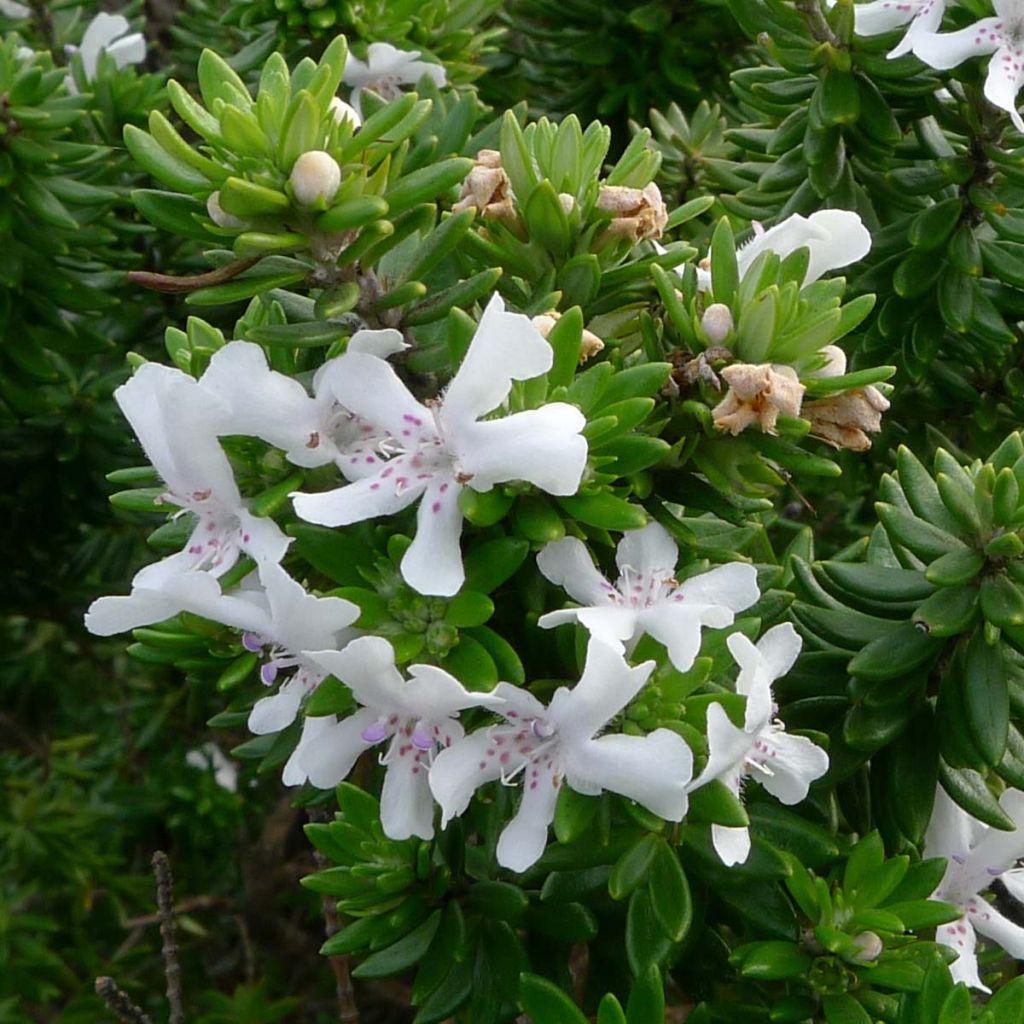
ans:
(568, 202)
(316, 176)
(219, 215)
(870, 946)
(717, 322)
(342, 112)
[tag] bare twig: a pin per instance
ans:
(165, 908)
(348, 1011)
(186, 906)
(169, 284)
(119, 1003)
(820, 28)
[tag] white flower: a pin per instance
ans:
(977, 855)
(417, 715)
(557, 744)
(385, 69)
(1002, 36)
(209, 757)
(785, 765)
(444, 447)
(311, 431)
(880, 16)
(646, 598)
(833, 238)
(290, 621)
(108, 33)
(178, 423)
(315, 178)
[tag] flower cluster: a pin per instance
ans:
(394, 450)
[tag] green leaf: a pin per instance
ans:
(670, 893)
(986, 698)
(402, 955)
(967, 788)
(646, 944)
(546, 1003)
(426, 184)
(609, 1011)
(724, 270)
(631, 869)
(844, 1009)
(646, 999)
(604, 510)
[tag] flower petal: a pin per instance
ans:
(382, 494)
(677, 626)
(268, 405)
(433, 562)
(406, 806)
(879, 16)
(277, 712)
(959, 936)
(99, 34)
(607, 685)
(367, 667)
(951, 832)
(458, 772)
(927, 21)
(944, 50)
(369, 387)
(654, 770)
(567, 564)
(129, 50)
(1014, 882)
(1002, 931)
(848, 241)
(648, 551)
(611, 624)
(177, 422)
(330, 752)
(728, 746)
(541, 446)
(506, 347)
(523, 839)
(1004, 79)
(300, 621)
(431, 692)
(732, 587)
(108, 616)
(731, 844)
(382, 343)
(795, 763)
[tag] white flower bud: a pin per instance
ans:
(870, 946)
(342, 112)
(219, 215)
(568, 202)
(315, 176)
(716, 323)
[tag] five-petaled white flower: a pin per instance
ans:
(646, 598)
(110, 34)
(385, 69)
(417, 715)
(442, 448)
(287, 621)
(977, 855)
(1002, 36)
(178, 422)
(880, 16)
(785, 765)
(312, 431)
(833, 238)
(559, 743)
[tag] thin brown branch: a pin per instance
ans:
(169, 284)
(186, 906)
(169, 951)
(816, 22)
(348, 1011)
(119, 1004)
